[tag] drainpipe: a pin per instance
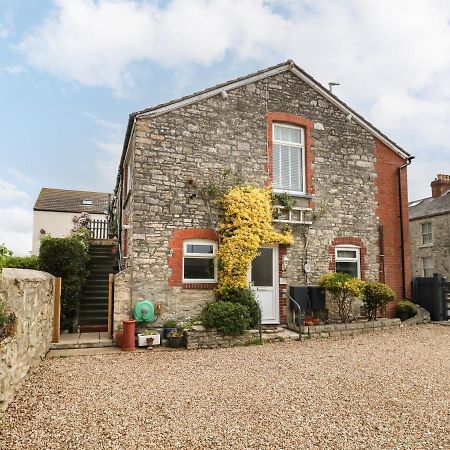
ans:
(402, 238)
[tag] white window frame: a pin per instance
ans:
(301, 146)
(200, 256)
(356, 259)
(427, 268)
(430, 233)
(129, 185)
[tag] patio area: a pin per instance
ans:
(385, 390)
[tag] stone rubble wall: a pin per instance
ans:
(199, 338)
(179, 152)
(346, 329)
(30, 295)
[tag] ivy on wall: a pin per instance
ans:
(246, 226)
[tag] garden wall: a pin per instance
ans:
(122, 298)
(199, 337)
(30, 295)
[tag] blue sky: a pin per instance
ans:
(72, 70)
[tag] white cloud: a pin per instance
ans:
(102, 122)
(11, 193)
(16, 218)
(15, 229)
(13, 69)
(391, 58)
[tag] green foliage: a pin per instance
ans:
(20, 262)
(405, 309)
(7, 321)
(4, 253)
(284, 199)
(170, 323)
(67, 258)
(230, 318)
(374, 296)
(344, 290)
(243, 296)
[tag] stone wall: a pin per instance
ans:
(202, 338)
(439, 249)
(122, 298)
(30, 295)
(178, 153)
(346, 329)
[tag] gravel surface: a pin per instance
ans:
(377, 391)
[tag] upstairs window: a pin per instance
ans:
(427, 233)
(348, 260)
(199, 261)
(427, 266)
(288, 159)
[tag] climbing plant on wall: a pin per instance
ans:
(246, 225)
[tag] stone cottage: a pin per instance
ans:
(341, 187)
(429, 227)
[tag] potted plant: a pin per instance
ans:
(177, 338)
(168, 326)
(148, 333)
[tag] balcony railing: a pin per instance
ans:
(99, 229)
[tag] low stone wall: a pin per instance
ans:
(346, 329)
(199, 337)
(30, 295)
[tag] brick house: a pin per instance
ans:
(429, 228)
(346, 181)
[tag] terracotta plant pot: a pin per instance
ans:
(309, 323)
(316, 320)
(119, 337)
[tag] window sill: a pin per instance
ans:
(292, 193)
(426, 245)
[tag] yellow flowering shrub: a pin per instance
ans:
(247, 224)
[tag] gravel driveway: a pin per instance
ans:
(387, 390)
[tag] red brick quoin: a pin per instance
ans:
(307, 125)
(347, 240)
(176, 259)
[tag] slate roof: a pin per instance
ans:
(64, 200)
(430, 206)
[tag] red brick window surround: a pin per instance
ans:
(350, 241)
(176, 258)
(307, 125)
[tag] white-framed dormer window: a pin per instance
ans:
(427, 266)
(288, 158)
(199, 261)
(427, 233)
(348, 260)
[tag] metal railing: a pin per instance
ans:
(299, 313)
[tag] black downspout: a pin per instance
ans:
(402, 238)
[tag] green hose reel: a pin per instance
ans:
(144, 311)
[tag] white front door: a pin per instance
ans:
(263, 279)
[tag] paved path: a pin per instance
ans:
(377, 391)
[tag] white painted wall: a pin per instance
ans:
(57, 224)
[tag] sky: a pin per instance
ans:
(72, 70)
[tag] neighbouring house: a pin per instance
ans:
(429, 228)
(341, 186)
(54, 210)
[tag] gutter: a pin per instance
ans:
(402, 237)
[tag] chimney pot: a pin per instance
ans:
(440, 185)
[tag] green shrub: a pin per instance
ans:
(344, 290)
(374, 296)
(230, 318)
(7, 321)
(170, 323)
(243, 296)
(67, 258)
(405, 309)
(20, 262)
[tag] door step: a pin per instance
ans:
(83, 340)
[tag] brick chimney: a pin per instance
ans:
(440, 185)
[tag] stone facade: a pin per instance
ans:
(122, 299)
(175, 154)
(438, 250)
(30, 295)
